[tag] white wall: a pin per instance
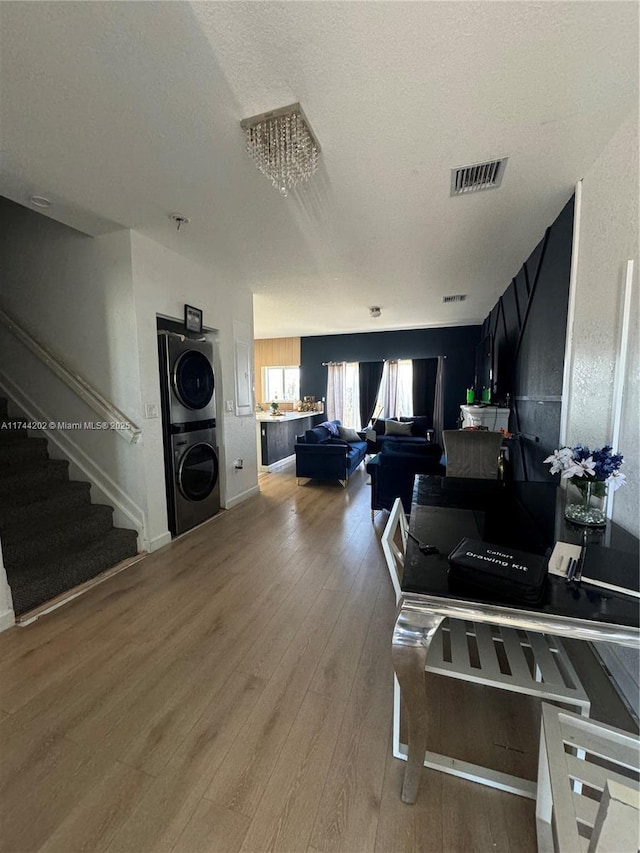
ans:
(7, 618)
(163, 281)
(608, 238)
(93, 302)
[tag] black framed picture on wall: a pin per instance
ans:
(192, 319)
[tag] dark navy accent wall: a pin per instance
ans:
(457, 343)
(529, 327)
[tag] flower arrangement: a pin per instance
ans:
(592, 472)
(582, 467)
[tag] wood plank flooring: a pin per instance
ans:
(233, 692)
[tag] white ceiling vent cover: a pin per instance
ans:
(477, 177)
(456, 297)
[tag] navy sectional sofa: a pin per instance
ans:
(394, 468)
(420, 432)
(322, 455)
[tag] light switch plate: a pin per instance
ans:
(150, 410)
(228, 406)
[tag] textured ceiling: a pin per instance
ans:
(123, 112)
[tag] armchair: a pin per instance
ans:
(394, 468)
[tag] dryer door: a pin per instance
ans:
(198, 472)
(193, 380)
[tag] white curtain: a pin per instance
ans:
(343, 397)
(395, 398)
(404, 393)
(389, 390)
(335, 391)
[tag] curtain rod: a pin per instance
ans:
(373, 360)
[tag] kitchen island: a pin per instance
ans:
(277, 436)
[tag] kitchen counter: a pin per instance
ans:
(277, 436)
(285, 416)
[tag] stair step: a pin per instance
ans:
(67, 569)
(34, 479)
(10, 429)
(29, 545)
(16, 454)
(64, 496)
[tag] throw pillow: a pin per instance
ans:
(348, 435)
(317, 435)
(397, 428)
(420, 425)
(333, 428)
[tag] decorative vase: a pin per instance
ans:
(587, 513)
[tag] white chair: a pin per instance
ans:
(588, 790)
(519, 661)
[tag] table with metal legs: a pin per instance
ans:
(577, 611)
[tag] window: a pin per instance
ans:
(281, 383)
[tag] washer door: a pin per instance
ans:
(193, 380)
(198, 472)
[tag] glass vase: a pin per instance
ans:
(587, 513)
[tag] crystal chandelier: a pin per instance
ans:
(282, 146)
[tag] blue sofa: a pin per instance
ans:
(394, 468)
(322, 455)
(420, 432)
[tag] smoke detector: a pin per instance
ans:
(375, 311)
(179, 219)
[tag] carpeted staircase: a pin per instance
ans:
(53, 537)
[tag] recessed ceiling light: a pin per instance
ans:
(40, 201)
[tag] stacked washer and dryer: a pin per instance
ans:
(187, 386)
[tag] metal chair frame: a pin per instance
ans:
(588, 788)
(519, 661)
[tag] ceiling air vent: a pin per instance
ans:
(477, 177)
(456, 297)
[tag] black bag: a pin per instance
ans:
(498, 571)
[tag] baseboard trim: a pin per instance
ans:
(7, 620)
(243, 496)
(159, 541)
(275, 466)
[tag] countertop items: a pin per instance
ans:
(284, 416)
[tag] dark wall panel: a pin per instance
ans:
(522, 294)
(457, 343)
(541, 353)
(511, 316)
(529, 344)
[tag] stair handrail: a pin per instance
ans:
(122, 424)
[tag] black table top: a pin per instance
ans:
(525, 516)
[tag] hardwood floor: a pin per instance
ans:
(233, 692)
